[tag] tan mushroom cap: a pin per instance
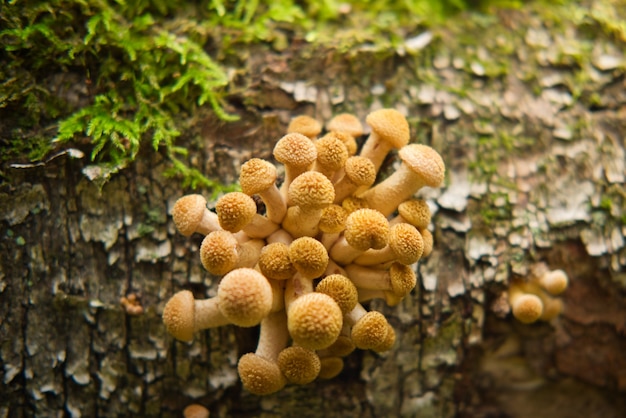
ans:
(389, 341)
(358, 172)
(330, 367)
(314, 321)
(305, 125)
(341, 289)
(366, 228)
(235, 210)
(188, 212)
(299, 365)
(260, 376)
(416, 212)
(195, 411)
(311, 190)
(370, 331)
(554, 282)
(333, 219)
(352, 204)
(406, 243)
(245, 297)
(308, 256)
(179, 315)
(274, 262)
(390, 126)
(526, 307)
(349, 142)
(295, 150)
(331, 154)
(340, 348)
(347, 123)
(403, 279)
(218, 252)
(256, 176)
(425, 161)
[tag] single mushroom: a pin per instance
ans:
(399, 279)
(404, 245)
(259, 371)
(331, 155)
(415, 212)
(245, 297)
(310, 259)
(554, 282)
(195, 411)
(314, 321)
(332, 222)
(297, 153)
(236, 211)
(191, 215)
(359, 172)
(427, 238)
(183, 315)
(330, 367)
(309, 194)
(341, 289)
(220, 252)
(342, 347)
(305, 125)
(299, 365)
(526, 307)
(352, 204)
(369, 329)
(390, 130)
(258, 176)
(421, 166)
(274, 262)
(365, 229)
(346, 123)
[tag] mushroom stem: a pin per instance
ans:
(296, 287)
(390, 130)
(260, 227)
(365, 229)
(258, 176)
(359, 172)
(297, 153)
(390, 298)
(421, 166)
(405, 245)
(191, 215)
(399, 278)
(183, 315)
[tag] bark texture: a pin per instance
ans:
(535, 174)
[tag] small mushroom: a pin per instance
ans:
(299, 365)
(365, 229)
(526, 307)
(297, 153)
(369, 329)
(399, 279)
(195, 411)
(404, 245)
(427, 238)
(305, 125)
(245, 297)
(236, 211)
(274, 262)
(309, 194)
(415, 212)
(390, 130)
(314, 321)
(359, 172)
(183, 315)
(220, 252)
(346, 123)
(259, 371)
(341, 289)
(191, 215)
(258, 176)
(332, 222)
(554, 282)
(331, 155)
(310, 259)
(330, 367)
(421, 166)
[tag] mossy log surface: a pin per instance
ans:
(531, 122)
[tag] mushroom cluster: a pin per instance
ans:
(536, 298)
(326, 240)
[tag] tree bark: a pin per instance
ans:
(535, 174)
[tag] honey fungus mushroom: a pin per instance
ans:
(191, 215)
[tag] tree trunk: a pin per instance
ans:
(533, 140)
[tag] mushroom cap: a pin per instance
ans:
(424, 161)
(406, 243)
(299, 365)
(311, 190)
(235, 210)
(341, 289)
(360, 170)
(554, 282)
(427, 238)
(330, 367)
(367, 228)
(218, 252)
(308, 256)
(245, 297)
(331, 152)
(347, 123)
(389, 342)
(195, 411)
(391, 126)
(256, 176)
(403, 279)
(333, 219)
(527, 308)
(352, 204)
(340, 348)
(188, 212)
(259, 375)
(295, 150)
(370, 331)
(416, 212)
(305, 125)
(274, 261)
(314, 321)
(178, 315)
(348, 140)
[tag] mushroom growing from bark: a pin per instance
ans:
(220, 252)
(305, 125)
(258, 176)
(309, 194)
(236, 211)
(526, 307)
(331, 155)
(191, 215)
(359, 172)
(365, 229)
(390, 130)
(297, 153)
(299, 365)
(404, 245)
(421, 166)
(314, 320)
